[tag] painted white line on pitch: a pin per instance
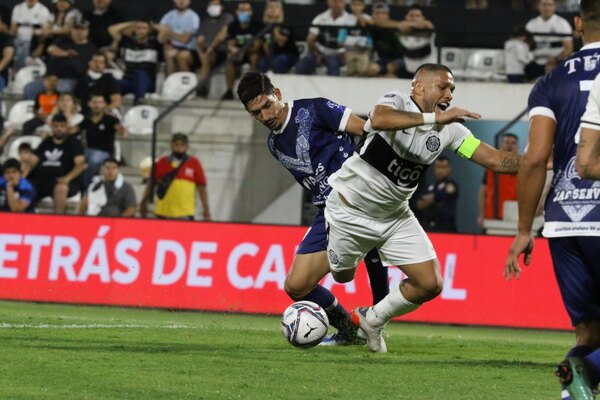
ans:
(5, 325)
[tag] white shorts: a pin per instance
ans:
(400, 241)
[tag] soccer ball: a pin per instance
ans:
(304, 324)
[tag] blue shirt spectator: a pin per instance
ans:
(16, 193)
(181, 21)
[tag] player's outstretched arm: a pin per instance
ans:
(588, 154)
(497, 160)
(355, 125)
(455, 114)
(386, 118)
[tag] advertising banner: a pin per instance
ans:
(241, 268)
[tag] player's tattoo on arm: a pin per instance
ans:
(509, 164)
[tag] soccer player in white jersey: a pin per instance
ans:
(368, 205)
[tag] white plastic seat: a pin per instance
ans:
(177, 84)
(26, 75)
(486, 65)
(455, 59)
(13, 150)
(139, 120)
(20, 112)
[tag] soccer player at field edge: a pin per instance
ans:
(368, 205)
(572, 209)
(312, 138)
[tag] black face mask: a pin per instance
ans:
(177, 155)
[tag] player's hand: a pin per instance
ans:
(454, 114)
(523, 244)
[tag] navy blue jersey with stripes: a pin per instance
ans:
(572, 205)
(312, 145)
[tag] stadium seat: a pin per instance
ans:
(177, 84)
(139, 120)
(13, 150)
(20, 112)
(25, 75)
(455, 59)
(485, 65)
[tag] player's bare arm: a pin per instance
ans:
(355, 125)
(530, 184)
(588, 154)
(499, 161)
(386, 118)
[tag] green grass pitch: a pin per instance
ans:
(77, 352)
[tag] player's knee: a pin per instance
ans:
(432, 287)
(295, 290)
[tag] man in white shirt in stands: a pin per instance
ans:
(548, 49)
(28, 21)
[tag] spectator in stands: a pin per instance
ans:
(548, 49)
(45, 102)
(357, 41)
(517, 54)
(28, 22)
(139, 45)
(57, 165)
(98, 130)
(7, 54)
(64, 15)
(280, 52)
(322, 41)
(97, 80)
(101, 17)
(212, 42)
(419, 47)
(179, 201)
(239, 33)
(389, 50)
(438, 203)
(16, 193)
(183, 24)
(491, 203)
(68, 59)
(66, 105)
(25, 152)
(109, 195)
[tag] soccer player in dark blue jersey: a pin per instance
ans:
(572, 208)
(312, 138)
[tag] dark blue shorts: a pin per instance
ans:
(577, 268)
(316, 238)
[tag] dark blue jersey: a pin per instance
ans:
(312, 144)
(24, 191)
(572, 203)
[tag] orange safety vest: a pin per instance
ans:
(507, 190)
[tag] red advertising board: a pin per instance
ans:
(236, 267)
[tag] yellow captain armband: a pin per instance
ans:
(468, 146)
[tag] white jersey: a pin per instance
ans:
(548, 46)
(29, 19)
(591, 117)
(381, 177)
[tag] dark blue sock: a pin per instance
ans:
(378, 276)
(593, 366)
(339, 318)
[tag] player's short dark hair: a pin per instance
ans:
(590, 11)
(25, 147)
(511, 135)
(254, 84)
(11, 163)
(431, 67)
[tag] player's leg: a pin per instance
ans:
(378, 276)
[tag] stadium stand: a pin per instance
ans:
(19, 113)
(485, 65)
(138, 120)
(13, 149)
(177, 84)
(24, 76)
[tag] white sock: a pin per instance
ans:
(392, 305)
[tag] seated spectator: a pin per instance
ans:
(239, 33)
(7, 54)
(63, 16)
(322, 41)
(67, 105)
(16, 193)
(28, 22)
(57, 164)
(211, 43)
(357, 41)
(139, 45)
(388, 49)
(45, 102)
(25, 157)
(97, 80)
(98, 130)
(183, 23)
(102, 16)
(517, 54)
(109, 195)
(419, 47)
(280, 52)
(68, 59)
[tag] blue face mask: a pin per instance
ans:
(244, 17)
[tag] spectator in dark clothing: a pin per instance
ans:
(97, 80)
(68, 59)
(7, 54)
(139, 45)
(16, 193)
(387, 46)
(63, 16)
(280, 52)
(102, 16)
(98, 130)
(44, 105)
(58, 163)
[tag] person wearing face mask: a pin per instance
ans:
(183, 24)
(97, 80)
(240, 32)
(211, 43)
(179, 200)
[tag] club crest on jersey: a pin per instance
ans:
(333, 258)
(433, 143)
